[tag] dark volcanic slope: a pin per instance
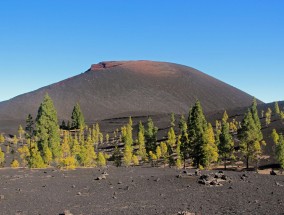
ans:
(113, 89)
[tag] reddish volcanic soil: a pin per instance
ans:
(136, 190)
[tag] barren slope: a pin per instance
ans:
(113, 89)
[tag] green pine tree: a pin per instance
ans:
(47, 129)
(226, 143)
(184, 147)
(251, 137)
(280, 151)
(78, 121)
(196, 131)
(276, 108)
(151, 136)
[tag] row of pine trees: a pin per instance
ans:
(193, 141)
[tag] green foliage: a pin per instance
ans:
(184, 144)
(268, 117)
(173, 120)
(2, 158)
(197, 126)
(101, 161)
(225, 117)
(135, 160)
(87, 156)
(47, 129)
(21, 131)
(68, 162)
(24, 152)
(226, 144)
(158, 152)
(29, 129)
(127, 155)
(117, 156)
(2, 138)
(171, 137)
(107, 138)
(78, 121)
(15, 164)
(210, 150)
(276, 108)
(151, 136)
(35, 159)
(164, 150)
(280, 151)
(251, 136)
(141, 143)
(275, 136)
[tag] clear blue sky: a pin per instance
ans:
(240, 42)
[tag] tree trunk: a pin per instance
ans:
(225, 163)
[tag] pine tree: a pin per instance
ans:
(225, 117)
(20, 132)
(280, 151)
(184, 147)
(158, 152)
(117, 156)
(24, 152)
(2, 158)
(135, 160)
(255, 117)
(164, 152)
(2, 138)
(101, 159)
(15, 164)
(47, 129)
(153, 158)
(127, 155)
(276, 108)
(173, 120)
(268, 117)
(275, 136)
(196, 130)
(151, 136)
(107, 138)
(141, 142)
(210, 149)
(35, 160)
(78, 121)
(251, 138)
(226, 145)
(29, 129)
(88, 156)
(171, 137)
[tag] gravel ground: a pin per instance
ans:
(136, 190)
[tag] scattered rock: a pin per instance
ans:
(278, 184)
(66, 212)
(272, 172)
(73, 186)
(197, 172)
(1, 197)
(157, 180)
(105, 173)
(179, 176)
(79, 194)
(224, 177)
(119, 182)
(101, 177)
(185, 213)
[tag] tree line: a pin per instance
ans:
(192, 141)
